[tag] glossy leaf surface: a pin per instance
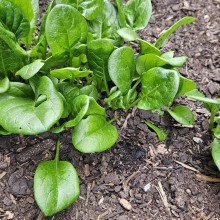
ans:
(20, 115)
(65, 29)
(94, 134)
(128, 34)
(4, 85)
(159, 87)
(216, 152)
(56, 185)
(182, 114)
(148, 48)
(121, 68)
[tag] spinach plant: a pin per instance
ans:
(82, 50)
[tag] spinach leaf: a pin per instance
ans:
(148, 48)
(26, 7)
(30, 70)
(121, 16)
(160, 133)
(65, 29)
(216, 152)
(121, 67)
(217, 129)
(106, 24)
(3, 131)
(36, 10)
(90, 91)
(185, 86)
(21, 115)
(164, 36)
(94, 134)
(56, 185)
(4, 85)
(128, 34)
(137, 13)
(90, 9)
(148, 61)
(14, 19)
(182, 115)
(69, 73)
(159, 87)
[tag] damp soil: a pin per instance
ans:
(155, 180)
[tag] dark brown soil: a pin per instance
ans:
(151, 175)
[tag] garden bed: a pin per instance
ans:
(161, 180)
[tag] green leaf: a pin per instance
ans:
(36, 10)
(164, 36)
(3, 131)
(185, 86)
(28, 39)
(148, 48)
(121, 16)
(98, 53)
(90, 90)
(26, 7)
(4, 85)
(56, 185)
(182, 115)
(217, 131)
(160, 133)
(137, 13)
(94, 134)
(106, 24)
(149, 61)
(10, 60)
(90, 9)
(121, 67)
(216, 152)
(21, 115)
(30, 70)
(128, 34)
(14, 19)
(69, 73)
(159, 87)
(65, 29)
(195, 94)
(83, 106)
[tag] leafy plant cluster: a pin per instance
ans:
(80, 53)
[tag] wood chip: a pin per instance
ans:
(2, 175)
(202, 177)
(125, 204)
(87, 170)
(101, 200)
(30, 200)
(40, 216)
(163, 196)
(10, 215)
(103, 215)
(186, 166)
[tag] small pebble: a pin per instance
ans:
(197, 140)
(125, 204)
(147, 187)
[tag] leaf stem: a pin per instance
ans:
(113, 119)
(136, 84)
(129, 43)
(212, 119)
(133, 104)
(106, 86)
(57, 152)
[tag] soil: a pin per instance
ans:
(155, 180)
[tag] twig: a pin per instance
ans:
(186, 166)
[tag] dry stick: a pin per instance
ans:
(186, 166)
(125, 183)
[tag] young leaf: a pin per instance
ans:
(21, 115)
(94, 134)
(90, 9)
(185, 86)
(182, 115)
(106, 24)
(121, 16)
(4, 85)
(148, 48)
(26, 7)
(98, 53)
(121, 67)
(148, 61)
(14, 18)
(83, 106)
(137, 13)
(90, 91)
(159, 87)
(164, 36)
(36, 10)
(65, 29)
(161, 134)
(216, 152)
(69, 73)
(56, 185)
(217, 131)
(128, 34)
(30, 70)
